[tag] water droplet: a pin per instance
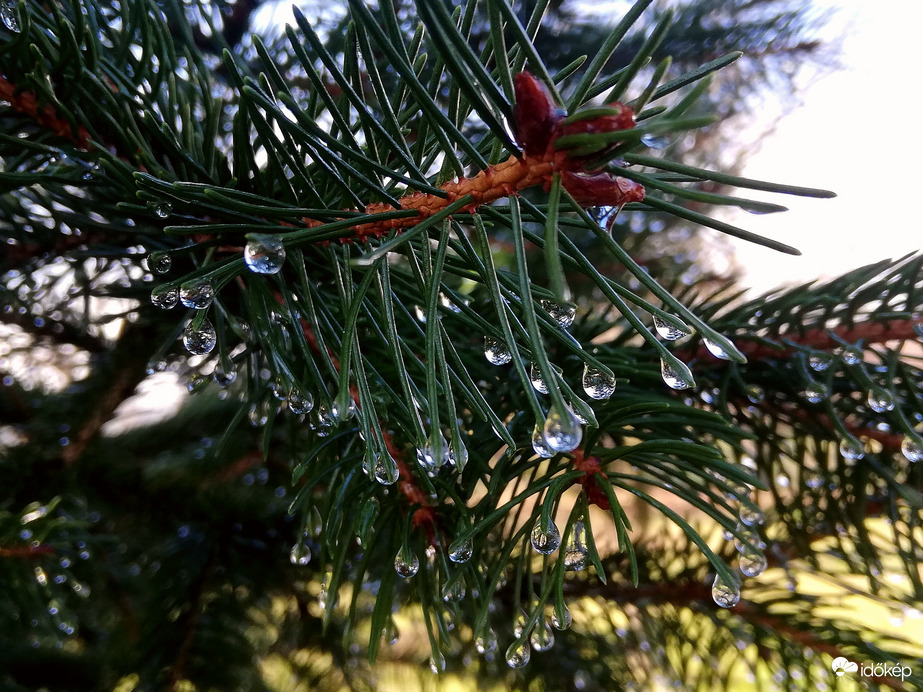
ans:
(10, 15)
(299, 403)
(597, 383)
(851, 355)
(542, 637)
(820, 361)
(197, 294)
(487, 643)
(437, 663)
(431, 458)
(815, 392)
(406, 564)
(496, 351)
(652, 141)
(342, 416)
(159, 262)
(539, 445)
(563, 620)
(454, 591)
(163, 210)
(223, 377)
(716, 349)
(575, 549)
(562, 313)
(301, 554)
(672, 378)
(321, 421)
(746, 538)
(545, 542)
(264, 254)
(200, 339)
(880, 400)
(751, 515)
(911, 449)
(752, 563)
(851, 450)
(537, 380)
(165, 297)
(517, 656)
(461, 552)
(725, 595)
(420, 314)
(668, 331)
(458, 457)
(755, 393)
(562, 430)
(385, 470)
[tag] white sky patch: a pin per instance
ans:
(856, 134)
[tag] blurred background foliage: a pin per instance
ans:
(146, 537)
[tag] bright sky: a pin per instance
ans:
(856, 134)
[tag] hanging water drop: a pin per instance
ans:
(300, 403)
(224, 376)
(652, 141)
(820, 361)
(431, 458)
(746, 538)
(751, 515)
(815, 392)
(755, 393)
(458, 454)
(598, 384)
(575, 549)
(672, 378)
(496, 351)
(539, 445)
(911, 449)
(562, 430)
(454, 592)
(851, 450)
(385, 470)
(200, 339)
(437, 663)
(159, 262)
(486, 643)
(339, 416)
(406, 564)
(542, 637)
(538, 381)
(165, 297)
(752, 563)
(668, 331)
(563, 620)
(301, 554)
(545, 542)
(264, 254)
(851, 355)
(716, 349)
(562, 313)
(518, 654)
(197, 294)
(725, 594)
(321, 421)
(880, 400)
(9, 14)
(460, 552)
(163, 210)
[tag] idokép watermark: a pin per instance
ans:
(843, 666)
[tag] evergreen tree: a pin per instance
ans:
(649, 481)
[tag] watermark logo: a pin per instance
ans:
(841, 666)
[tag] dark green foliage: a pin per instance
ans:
(247, 538)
